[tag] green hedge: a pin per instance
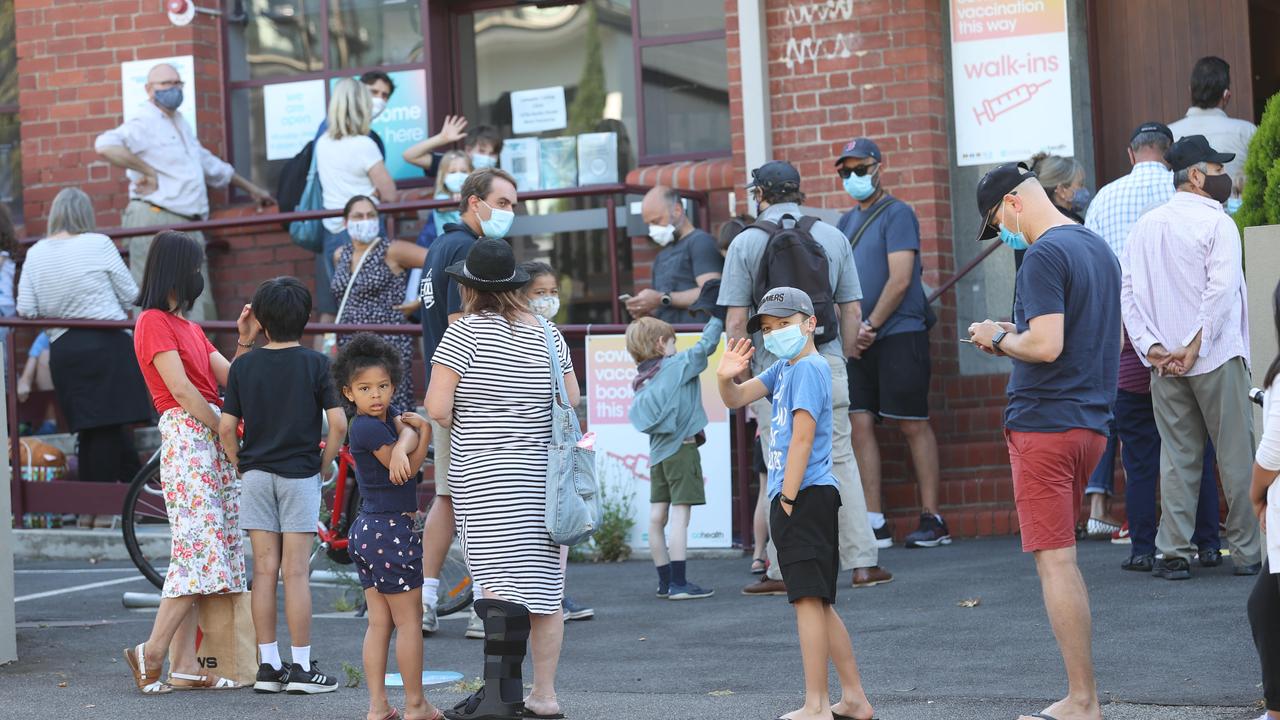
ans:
(1261, 200)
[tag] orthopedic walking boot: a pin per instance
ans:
(506, 639)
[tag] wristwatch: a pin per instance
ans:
(995, 340)
(666, 299)
(786, 500)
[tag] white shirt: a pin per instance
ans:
(183, 167)
(1225, 134)
(1182, 274)
(1268, 458)
(343, 166)
(80, 277)
(1120, 203)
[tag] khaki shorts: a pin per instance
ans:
(440, 443)
(678, 479)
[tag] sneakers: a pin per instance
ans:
(306, 682)
(765, 587)
(689, 591)
(475, 626)
(884, 536)
(1210, 557)
(430, 621)
(1139, 563)
(1121, 536)
(1251, 569)
(931, 533)
(574, 611)
(664, 591)
(1175, 568)
(270, 680)
(1098, 528)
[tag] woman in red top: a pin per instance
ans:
(183, 370)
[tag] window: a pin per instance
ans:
(10, 143)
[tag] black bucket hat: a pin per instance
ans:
(490, 266)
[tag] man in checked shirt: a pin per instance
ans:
(1183, 299)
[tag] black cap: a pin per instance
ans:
(490, 266)
(775, 176)
(859, 148)
(991, 190)
(1152, 127)
(1194, 149)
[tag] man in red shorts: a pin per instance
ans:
(1065, 345)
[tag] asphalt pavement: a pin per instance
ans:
(1166, 650)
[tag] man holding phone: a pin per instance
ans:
(687, 260)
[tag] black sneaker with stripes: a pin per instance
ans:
(308, 682)
(270, 680)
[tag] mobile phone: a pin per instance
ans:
(624, 297)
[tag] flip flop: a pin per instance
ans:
(838, 716)
(1042, 716)
(395, 715)
(535, 716)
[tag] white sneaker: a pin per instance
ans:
(430, 623)
(475, 627)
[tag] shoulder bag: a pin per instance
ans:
(330, 346)
(573, 496)
(309, 234)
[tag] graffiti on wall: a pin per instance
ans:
(815, 16)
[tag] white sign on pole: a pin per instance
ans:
(291, 113)
(534, 111)
(1011, 80)
(622, 452)
(133, 85)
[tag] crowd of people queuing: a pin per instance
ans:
(1128, 336)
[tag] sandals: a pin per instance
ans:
(147, 684)
(182, 681)
(759, 566)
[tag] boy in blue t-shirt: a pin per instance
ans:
(804, 495)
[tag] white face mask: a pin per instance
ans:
(378, 105)
(363, 230)
(548, 306)
(662, 234)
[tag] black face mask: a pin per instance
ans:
(1218, 187)
(193, 288)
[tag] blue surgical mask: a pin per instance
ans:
(1233, 204)
(1016, 240)
(498, 224)
(860, 188)
(169, 98)
(480, 161)
(453, 181)
(787, 342)
(1080, 200)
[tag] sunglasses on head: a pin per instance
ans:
(860, 170)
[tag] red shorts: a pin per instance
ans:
(1050, 471)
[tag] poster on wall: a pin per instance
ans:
(521, 158)
(534, 111)
(291, 113)
(133, 85)
(622, 452)
(1011, 80)
(404, 121)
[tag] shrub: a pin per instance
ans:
(610, 540)
(1260, 204)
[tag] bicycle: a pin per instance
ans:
(144, 516)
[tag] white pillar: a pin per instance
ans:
(8, 621)
(753, 51)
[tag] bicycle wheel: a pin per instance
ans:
(145, 519)
(456, 590)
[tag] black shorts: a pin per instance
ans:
(757, 458)
(808, 543)
(892, 378)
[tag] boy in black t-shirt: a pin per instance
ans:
(281, 390)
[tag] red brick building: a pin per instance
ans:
(698, 90)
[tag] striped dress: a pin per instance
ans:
(498, 456)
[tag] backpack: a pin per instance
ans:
(293, 178)
(792, 258)
(309, 234)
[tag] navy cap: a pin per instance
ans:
(1194, 149)
(859, 148)
(780, 302)
(1152, 127)
(991, 191)
(775, 176)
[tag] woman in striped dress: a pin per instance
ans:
(491, 382)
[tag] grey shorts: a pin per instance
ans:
(279, 504)
(440, 444)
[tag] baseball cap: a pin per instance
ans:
(859, 148)
(1194, 149)
(780, 302)
(991, 190)
(775, 175)
(1152, 127)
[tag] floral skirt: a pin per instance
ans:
(202, 498)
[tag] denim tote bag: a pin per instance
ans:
(573, 496)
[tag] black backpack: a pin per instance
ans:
(792, 258)
(293, 178)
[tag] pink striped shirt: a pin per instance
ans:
(1182, 274)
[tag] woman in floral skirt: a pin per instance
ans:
(201, 492)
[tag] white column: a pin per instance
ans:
(753, 49)
(8, 620)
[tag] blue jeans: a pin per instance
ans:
(1140, 453)
(1103, 479)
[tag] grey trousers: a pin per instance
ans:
(140, 214)
(1186, 408)
(857, 541)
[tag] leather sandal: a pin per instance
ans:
(182, 681)
(147, 684)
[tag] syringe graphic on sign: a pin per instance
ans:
(993, 108)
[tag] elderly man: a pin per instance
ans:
(1184, 309)
(168, 169)
(1065, 345)
(688, 258)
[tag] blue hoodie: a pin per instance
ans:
(668, 406)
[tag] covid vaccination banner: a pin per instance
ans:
(404, 121)
(622, 452)
(1011, 79)
(292, 112)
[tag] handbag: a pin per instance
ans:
(330, 346)
(309, 234)
(573, 496)
(224, 640)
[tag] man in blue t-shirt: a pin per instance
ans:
(488, 208)
(1065, 345)
(889, 372)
